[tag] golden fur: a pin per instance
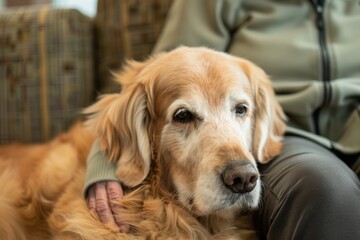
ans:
(170, 166)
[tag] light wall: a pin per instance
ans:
(87, 7)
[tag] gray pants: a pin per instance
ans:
(309, 193)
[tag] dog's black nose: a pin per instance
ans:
(240, 176)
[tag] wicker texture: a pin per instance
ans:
(49, 59)
(126, 29)
(46, 71)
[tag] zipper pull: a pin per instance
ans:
(319, 9)
(319, 19)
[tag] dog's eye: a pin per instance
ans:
(183, 115)
(241, 110)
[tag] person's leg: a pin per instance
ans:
(308, 193)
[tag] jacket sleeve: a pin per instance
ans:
(197, 23)
(98, 168)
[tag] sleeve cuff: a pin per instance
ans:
(98, 168)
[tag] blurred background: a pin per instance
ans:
(56, 58)
(87, 7)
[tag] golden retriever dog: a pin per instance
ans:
(186, 133)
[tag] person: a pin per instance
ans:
(311, 51)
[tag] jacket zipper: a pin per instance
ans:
(325, 61)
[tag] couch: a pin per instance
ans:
(55, 62)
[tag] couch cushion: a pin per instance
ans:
(126, 30)
(46, 71)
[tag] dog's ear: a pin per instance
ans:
(269, 118)
(120, 122)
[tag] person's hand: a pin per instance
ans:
(101, 198)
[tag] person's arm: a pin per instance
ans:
(102, 188)
(98, 168)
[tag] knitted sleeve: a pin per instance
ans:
(98, 168)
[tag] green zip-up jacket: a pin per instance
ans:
(309, 48)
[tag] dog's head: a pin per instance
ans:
(207, 118)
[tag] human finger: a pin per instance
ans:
(102, 204)
(115, 193)
(91, 200)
